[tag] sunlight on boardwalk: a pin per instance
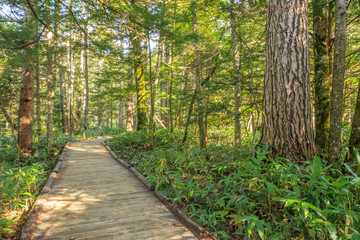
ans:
(95, 197)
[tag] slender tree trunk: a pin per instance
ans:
(322, 75)
(38, 101)
(202, 133)
(121, 108)
(287, 119)
(130, 105)
(86, 75)
(63, 101)
(337, 90)
(236, 77)
(354, 142)
(50, 91)
(153, 90)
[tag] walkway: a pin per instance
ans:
(95, 197)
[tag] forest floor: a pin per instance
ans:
(96, 197)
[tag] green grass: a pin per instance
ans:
(237, 196)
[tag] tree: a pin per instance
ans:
(236, 76)
(286, 122)
(26, 104)
(322, 75)
(337, 82)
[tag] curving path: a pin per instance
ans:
(94, 197)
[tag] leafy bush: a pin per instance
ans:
(237, 196)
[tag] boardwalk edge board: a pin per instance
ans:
(194, 227)
(40, 202)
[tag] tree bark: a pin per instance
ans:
(63, 100)
(354, 141)
(236, 77)
(50, 91)
(337, 90)
(287, 120)
(322, 75)
(26, 103)
(202, 133)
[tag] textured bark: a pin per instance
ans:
(236, 77)
(38, 101)
(50, 80)
(202, 133)
(354, 142)
(79, 99)
(26, 103)
(85, 72)
(130, 113)
(338, 82)
(287, 121)
(322, 75)
(63, 100)
(153, 91)
(121, 108)
(137, 55)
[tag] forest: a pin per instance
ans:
(246, 114)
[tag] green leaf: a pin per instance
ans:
(260, 228)
(317, 165)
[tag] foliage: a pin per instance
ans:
(21, 180)
(237, 196)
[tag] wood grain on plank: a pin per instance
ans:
(95, 197)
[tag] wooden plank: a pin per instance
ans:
(95, 197)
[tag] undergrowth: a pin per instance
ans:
(237, 196)
(21, 180)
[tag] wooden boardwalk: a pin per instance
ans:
(94, 197)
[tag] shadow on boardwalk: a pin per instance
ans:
(94, 197)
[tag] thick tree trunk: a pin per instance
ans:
(337, 90)
(130, 113)
(202, 133)
(26, 103)
(137, 54)
(287, 121)
(322, 75)
(236, 77)
(354, 142)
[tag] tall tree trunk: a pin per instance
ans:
(322, 75)
(130, 104)
(287, 121)
(38, 101)
(79, 98)
(63, 100)
(236, 77)
(26, 103)
(50, 91)
(86, 73)
(137, 52)
(153, 91)
(202, 133)
(354, 141)
(121, 108)
(337, 90)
